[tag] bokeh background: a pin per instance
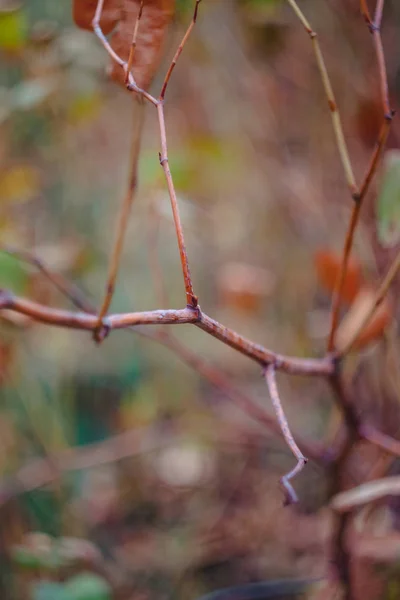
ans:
(187, 499)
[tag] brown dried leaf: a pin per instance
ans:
(327, 264)
(156, 17)
(355, 317)
(122, 15)
(83, 12)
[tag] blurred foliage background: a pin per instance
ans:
(192, 502)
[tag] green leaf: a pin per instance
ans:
(88, 586)
(388, 207)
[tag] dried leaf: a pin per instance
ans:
(122, 15)
(156, 17)
(83, 12)
(244, 287)
(327, 265)
(354, 318)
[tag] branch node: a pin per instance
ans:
(101, 332)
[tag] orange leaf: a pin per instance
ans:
(327, 265)
(359, 309)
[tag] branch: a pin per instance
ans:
(366, 493)
(133, 43)
(336, 120)
(295, 366)
(223, 383)
(371, 170)
(290, 494)
(89, 322)
(67, 289)
(383, 441)
(191, 298)
(179, 51)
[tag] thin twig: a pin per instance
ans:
(375, 30)
(365, 11)
(179, 51)
(379, 297)
(336, 120)
(123, 218)
(383, 441)
(223, 383)
(348, 244)
(371, 170)
(68, 289)
(191, 298)
(290, 494)
(133, 43)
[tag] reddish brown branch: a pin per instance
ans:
(371, 169)
(179, 51)
(89, 322)
(191, 298)
(133, 43)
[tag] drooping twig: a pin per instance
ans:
(179, 51)
(223, 383)
(123, 217)
(290, 494)
(378, 299)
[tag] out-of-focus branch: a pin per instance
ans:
(336, 120)
(359, 196)
(67, 288)
(123, 218)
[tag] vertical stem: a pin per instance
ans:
(123, 217)
(191, 298)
